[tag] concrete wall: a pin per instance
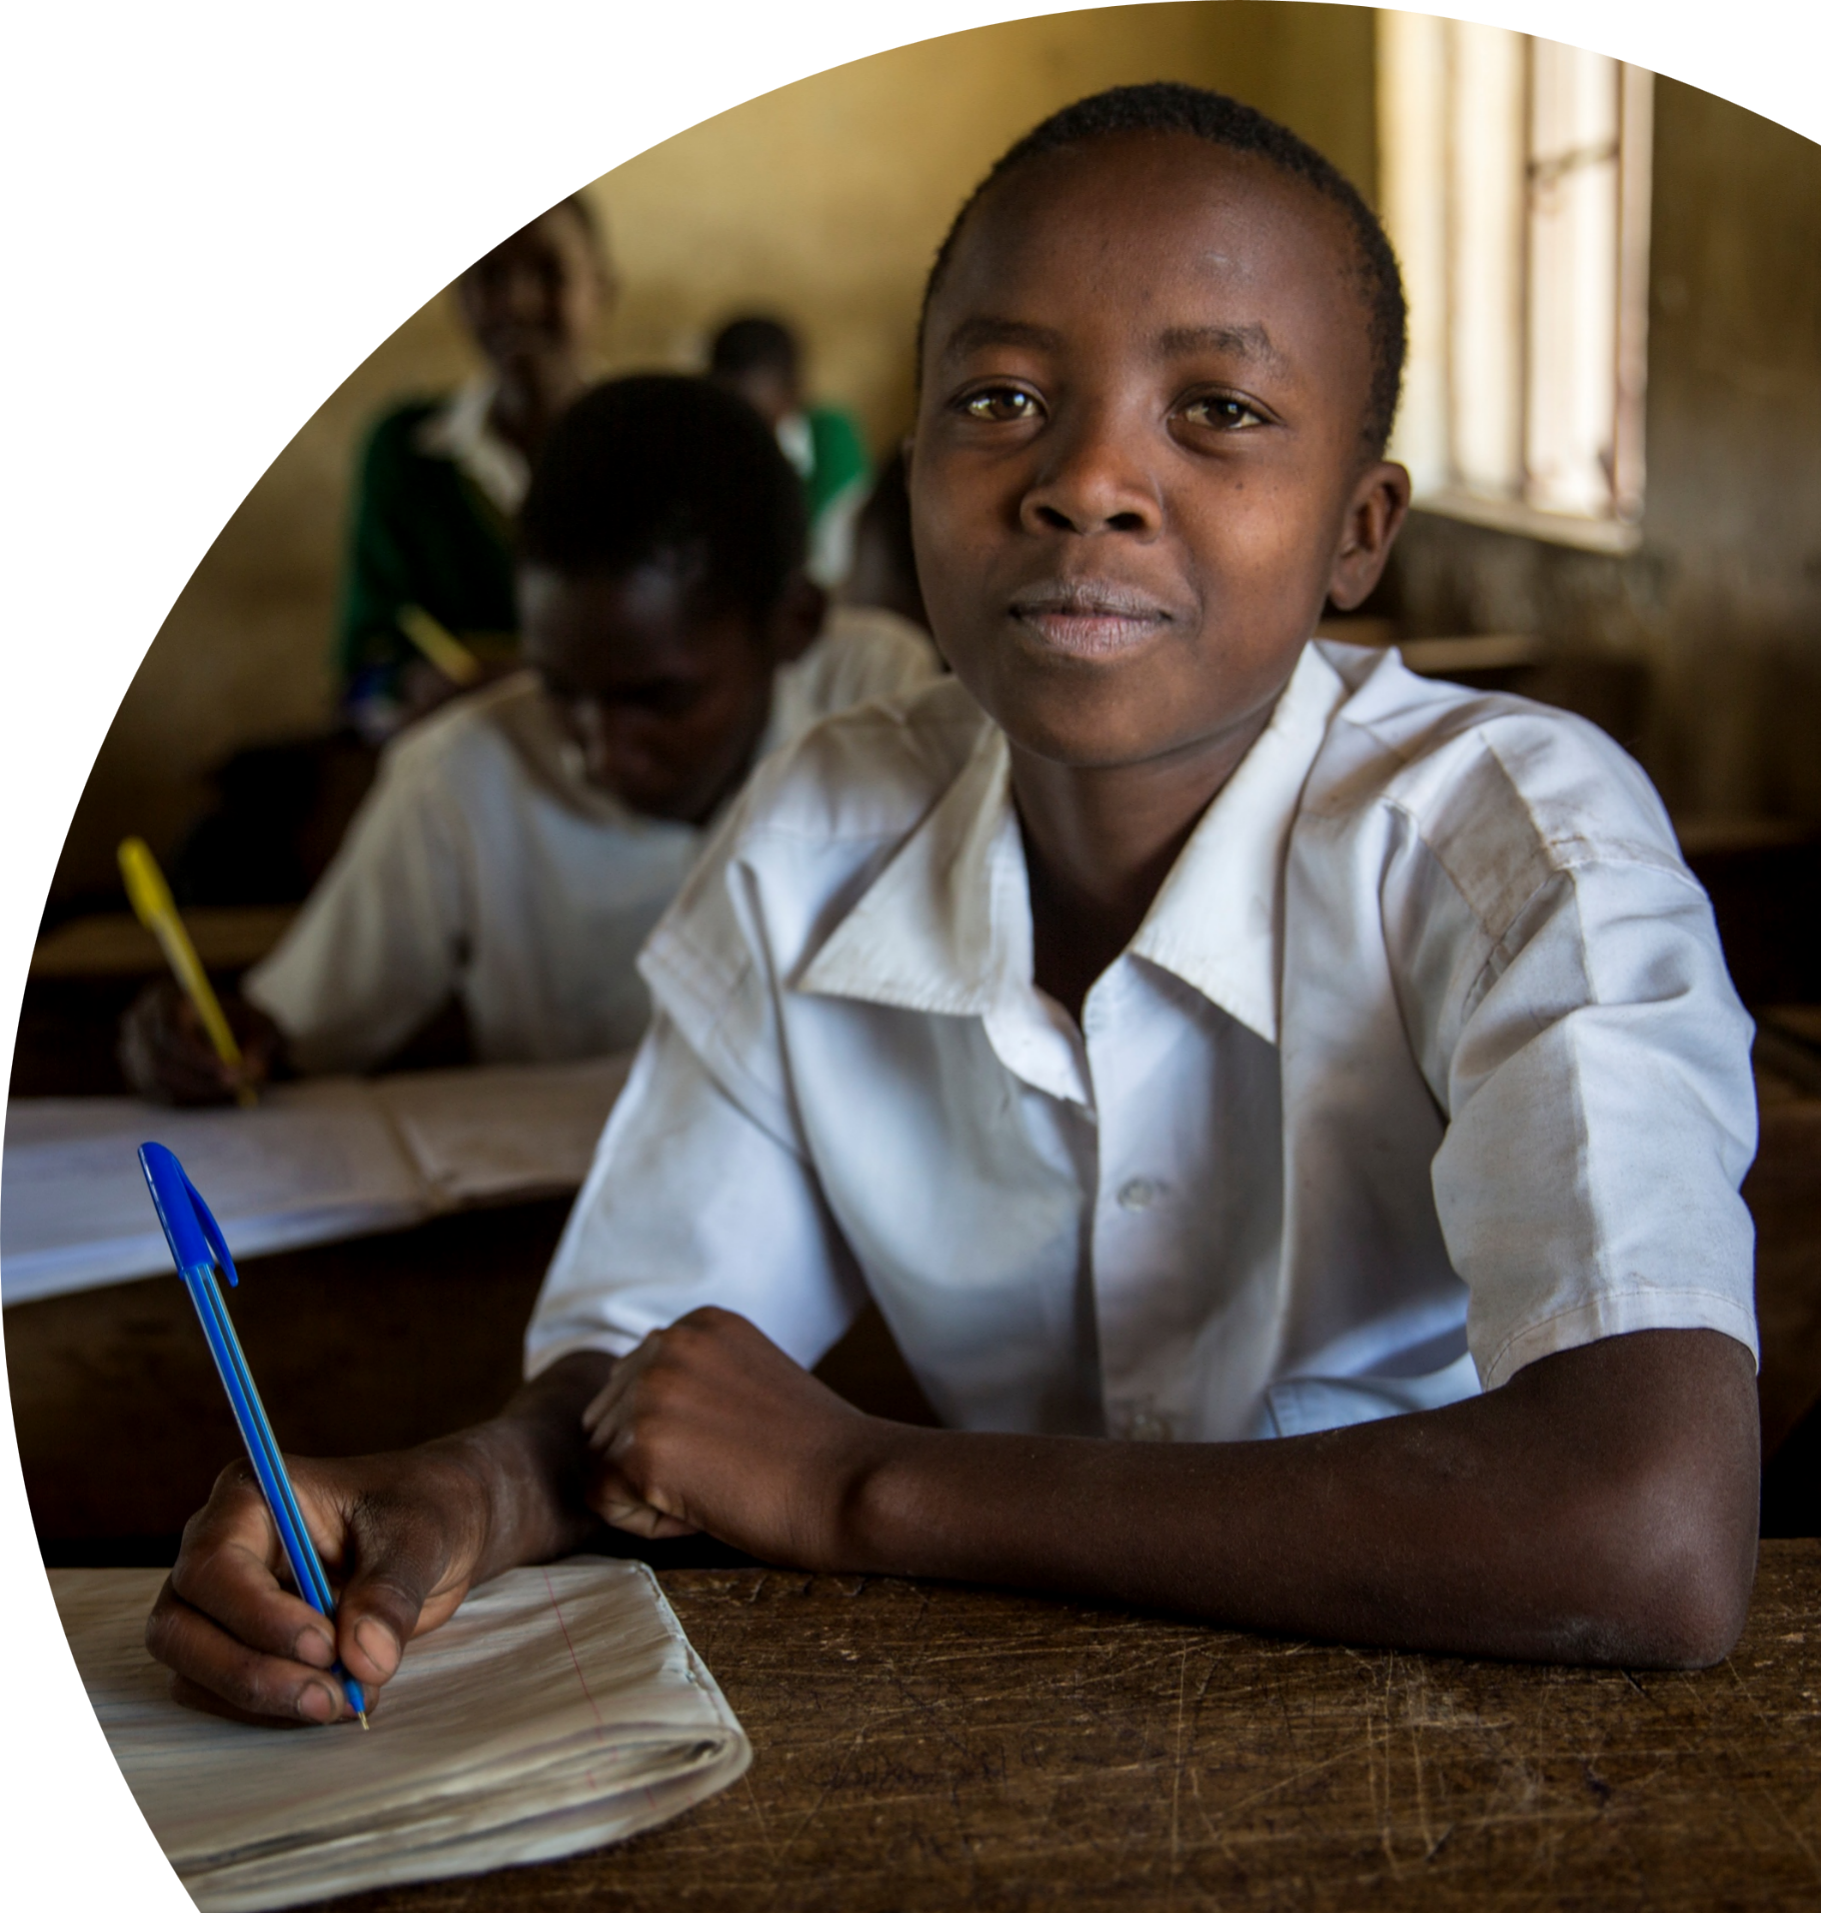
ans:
(824, 200)
(1723, 601)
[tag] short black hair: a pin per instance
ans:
(754, 344)
(646, 467)
(1165, 106)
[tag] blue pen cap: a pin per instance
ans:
(193, 1233)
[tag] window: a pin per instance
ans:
(1516, 188)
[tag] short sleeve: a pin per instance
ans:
(1601, 1117)
(379, 946)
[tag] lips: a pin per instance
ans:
(1089, 618)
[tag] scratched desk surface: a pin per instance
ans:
(933, 1748)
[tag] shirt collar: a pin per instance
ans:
(946, 926)
(462, 431)
(1217, 923)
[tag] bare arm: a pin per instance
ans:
(1602, 1506)
(406, 1535)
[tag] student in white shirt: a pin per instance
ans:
(519, 845)
(1184, 1034)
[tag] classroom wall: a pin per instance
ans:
(824, 201)
(1722, 603)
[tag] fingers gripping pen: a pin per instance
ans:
(198, 1248)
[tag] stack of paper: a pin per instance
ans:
(561, 1708)
(314, 1162)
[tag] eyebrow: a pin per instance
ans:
(971, 335)
(1250, 341)
(1242, 341)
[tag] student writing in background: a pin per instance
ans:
(1290, 1113)
(519, 844)
(762, 361)
(440, 480)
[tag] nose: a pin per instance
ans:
(622, 749)
(1095, 477)
(596, 737)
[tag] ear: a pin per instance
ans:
(1375, 514)
(796, 619)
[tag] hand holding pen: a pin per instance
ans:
(407, 1534)
(166, 1056)
(177, 1042)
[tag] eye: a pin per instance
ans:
(1224, 412)
(998, 404)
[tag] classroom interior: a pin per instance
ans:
(1683, 616)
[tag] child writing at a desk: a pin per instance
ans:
(519, 844)
(1223, 1036)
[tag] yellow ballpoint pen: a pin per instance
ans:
(155, 907)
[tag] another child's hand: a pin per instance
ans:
(165, 1054)
(707, 1426)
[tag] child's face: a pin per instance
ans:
(537, 296)
(665, 703)
(1139, 471)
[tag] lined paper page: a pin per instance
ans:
(561, 1708)
(314, 1162)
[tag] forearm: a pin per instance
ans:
(528, 1467)
(1522, 1523)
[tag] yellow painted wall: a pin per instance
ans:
(823, 201)
(828, 199)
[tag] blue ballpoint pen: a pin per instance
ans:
(198, 1248)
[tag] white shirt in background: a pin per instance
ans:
(1423, 1065)
(483, 865)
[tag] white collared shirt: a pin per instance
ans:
(484, 865)
(1423, 1064)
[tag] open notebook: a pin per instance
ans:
(314, 1162)
(561, 1708)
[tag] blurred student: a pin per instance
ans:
(519, 844)
(884, 567)
(441, 480)
(762, 361)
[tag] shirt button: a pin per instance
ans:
(1139, 1193)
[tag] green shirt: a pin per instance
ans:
(838, 458)
(424, 534)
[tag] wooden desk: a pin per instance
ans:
(934, 1748)
(378, 1343)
